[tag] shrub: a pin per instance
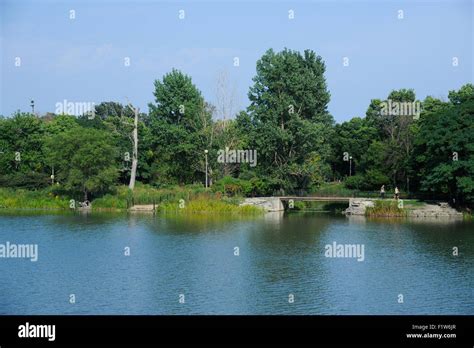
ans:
(355, 182)
(374, 179)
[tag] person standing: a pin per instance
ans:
(397, 193)
(382, 192)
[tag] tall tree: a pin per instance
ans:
(444, 148)
(21, 156)
(291, 123)
(351, 138)
(179, 121)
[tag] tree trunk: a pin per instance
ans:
(133, 174)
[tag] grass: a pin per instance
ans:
(110, 202)
(40, 199)
(412, 203)
(333, 189)
(206, 205)
(196, 200)
(385, 208)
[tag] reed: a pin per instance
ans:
(25, 199)
(385, 208)
(208, 206)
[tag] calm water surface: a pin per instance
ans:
(279, 255)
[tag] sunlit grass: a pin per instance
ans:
(385, 208)
(195, 198)
(41, 199)
(208, 206)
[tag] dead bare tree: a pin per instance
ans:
(225, 97)
(133, 173)
(226, 103)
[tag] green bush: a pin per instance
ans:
(242, 187)
(27, 180)
(355, 182)
(336, 189)
(374, 179)
(232, 186)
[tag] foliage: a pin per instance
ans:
(290, 125)
(355, 182)
(179, 126)
(83, 160)
(444, 149)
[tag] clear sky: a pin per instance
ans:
(82, 59)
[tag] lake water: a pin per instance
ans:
(280, 257)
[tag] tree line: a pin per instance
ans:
(428, 151)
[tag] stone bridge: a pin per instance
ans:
(278, 203)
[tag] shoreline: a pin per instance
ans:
(459, 217)
(189, 201)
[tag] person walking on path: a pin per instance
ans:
(397, 193)
(382, 192)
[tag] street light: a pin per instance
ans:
(350, 166)
(205, 152)
(32, 106)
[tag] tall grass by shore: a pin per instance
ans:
(40, 199)
(195, 198)
(385, 208)
(208, 206)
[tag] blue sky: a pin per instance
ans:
(82, 60)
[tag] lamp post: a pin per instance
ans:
(205, 152)
(350, 166)
(32, 106)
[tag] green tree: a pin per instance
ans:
(397, 129)
(84, 160)
(21, 157)
(351, 138)
(290, 122)
(444, 148)
(180, 124)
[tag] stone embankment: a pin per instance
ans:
(270, 204)
(143, 208)
(358, 206)
(434, 210)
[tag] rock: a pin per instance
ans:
(270, 204)
(440, 210)
(357, 206)
(144, 207)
